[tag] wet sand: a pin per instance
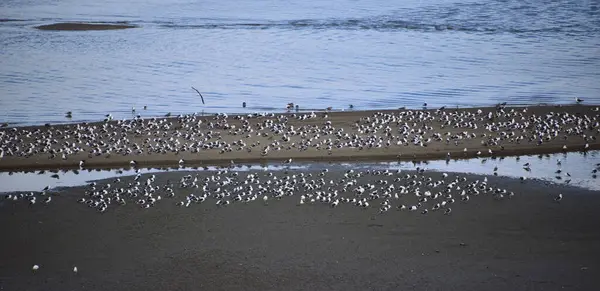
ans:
(176, 138)
(528, 242)
(74, 26)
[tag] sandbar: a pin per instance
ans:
(384, 135)
(527, 242)
(76, 26)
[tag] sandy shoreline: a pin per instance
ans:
(342, 136)
(528, 242)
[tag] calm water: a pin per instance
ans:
(372, 54)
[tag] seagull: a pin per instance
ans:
(558, 198)
(578, 100)
(35, 267)
(75, 269)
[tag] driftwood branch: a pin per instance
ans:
(199, 94)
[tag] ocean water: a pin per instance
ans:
(371, 54)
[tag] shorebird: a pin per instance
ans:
(578, 100)
(558, 198)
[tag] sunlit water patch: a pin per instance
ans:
(576, 169)
(36, 181)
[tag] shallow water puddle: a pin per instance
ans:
(575, 169)
(36, 181)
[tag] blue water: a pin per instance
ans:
(371, 54)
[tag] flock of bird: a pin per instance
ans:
(414, 191)
(483, 132)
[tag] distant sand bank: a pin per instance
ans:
(84, 26)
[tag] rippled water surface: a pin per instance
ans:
(372, 54)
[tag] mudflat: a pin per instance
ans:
(525, 241)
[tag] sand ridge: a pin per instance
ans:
(321, 136)
(79, 26)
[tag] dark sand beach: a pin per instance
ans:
(526, 242)
(74, 26)
(334, 136)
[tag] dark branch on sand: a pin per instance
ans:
(199, 94)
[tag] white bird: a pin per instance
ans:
(35, 267)
(265, 198)
(558, 198)
(75, 269)
(48, 199)
(448, 211)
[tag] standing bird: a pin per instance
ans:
(558, 198)
(578, 100)
(75, 270)
(199, 94)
